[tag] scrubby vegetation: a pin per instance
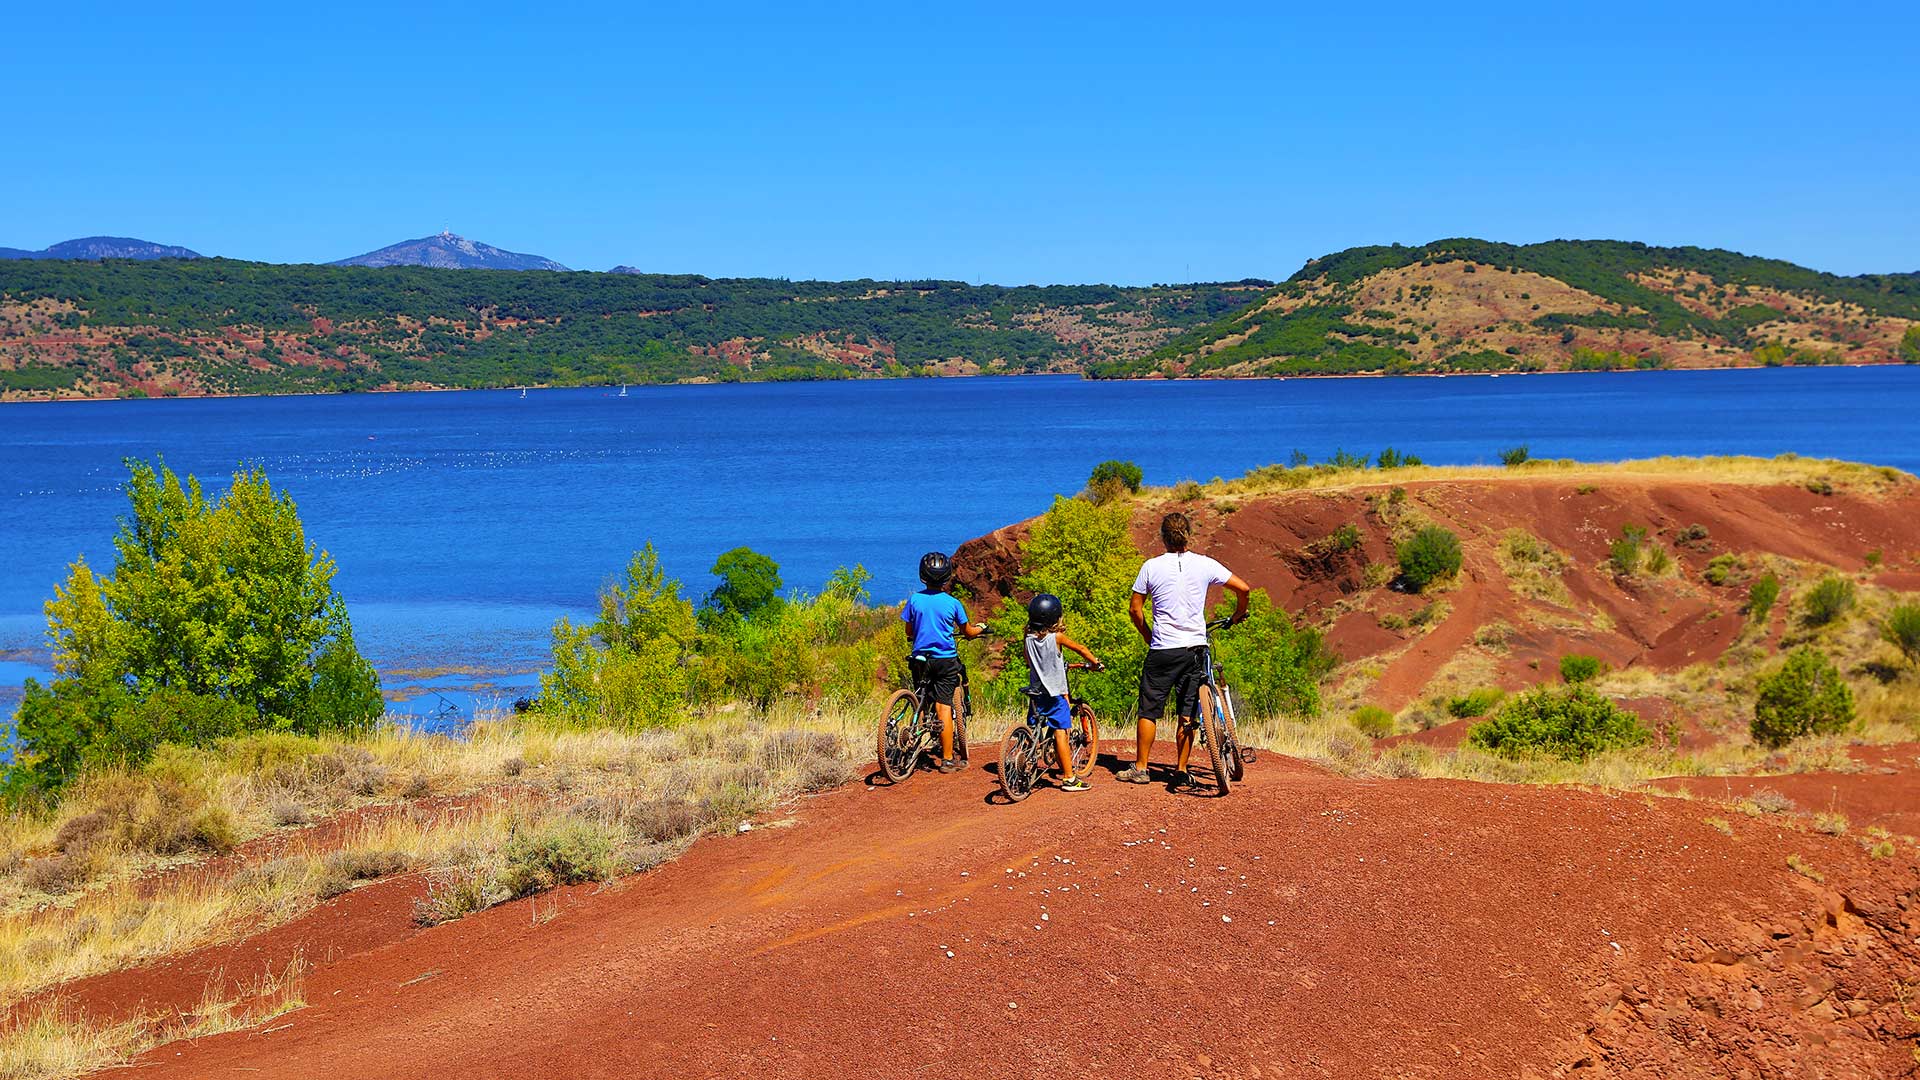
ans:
(1761, 595)
(1804, 696)
(217, 619)
(1830, 598)
(1571, 723)
(1902, 631)
(1429, 555)
(1576, 668)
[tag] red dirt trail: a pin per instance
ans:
(1306, 926)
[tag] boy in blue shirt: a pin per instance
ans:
(934, 620)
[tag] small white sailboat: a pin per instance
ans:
(523, 391)
(623, 389)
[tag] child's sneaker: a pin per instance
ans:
(951, 765)
(1074, 783)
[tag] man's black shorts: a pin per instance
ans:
(945, 671)
(1167, 670)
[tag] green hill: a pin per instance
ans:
(1474, 305)
(216, 326)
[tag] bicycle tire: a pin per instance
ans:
(1017, 764)
(1210, 730)
(1215, 704)
(1088, 727)
(898, 744)
(960, 724)
(1233, 724)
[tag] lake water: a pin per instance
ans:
(465, 523)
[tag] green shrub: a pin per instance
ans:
(1805, 695)
(1571, 723)
(1902, 630)
(1625, 553)
(1659, 560)
(1345, 538)
(1126, 472)
(1910, 345)
(1761, 595)
(1274, 667)
(1394, 459)
(222, 604)
(1514, 455)
(1721, 568)
(1829, 599)
(749, 581)
(1474, 703)
(1372, 721)
(1429, 555)
(565, 851)
(1579, 668)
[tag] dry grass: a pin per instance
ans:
(53, 1040)
(643, 791)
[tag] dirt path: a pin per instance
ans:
(1306, 926)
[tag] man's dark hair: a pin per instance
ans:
(1175, 530)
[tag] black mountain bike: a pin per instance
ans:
(910, 728)
(1028, 752)
(1217, 712)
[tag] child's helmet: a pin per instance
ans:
(935, 568)
(1043, 611)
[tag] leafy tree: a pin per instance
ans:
(1804, 696)
(1126, 472)
(749, 581)
(1761, 595)
(1429, 555)
(1275, 667)
(1910, 345)
(218, 618)
(1570, 722)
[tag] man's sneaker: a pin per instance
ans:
(1074, 783)
(1181, 781)
(1135, 775)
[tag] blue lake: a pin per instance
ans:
(465, 523)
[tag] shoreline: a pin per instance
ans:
(5, 400)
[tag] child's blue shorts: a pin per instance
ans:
(1057, 711)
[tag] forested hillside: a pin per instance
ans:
(215, 326)
(1476, 306)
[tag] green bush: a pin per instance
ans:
(1910, 345)
(566, 851)
(1274, 667)
(1514, 455)
(1372, 721)
(1805, 695)
(1722, 568)
(1126, 472)
(218, 618)
(1626, 552)
(1474, 703)
(1902, 630)
(1579, 668)
(1830, 598)
(1571, 723)
(1761, 595)
(749, 581)
(1344, 539)
(1659, 560)
(1429, 555)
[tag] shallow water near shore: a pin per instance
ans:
(465, 523)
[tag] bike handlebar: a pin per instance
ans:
(1220, 624)
(1086, 667)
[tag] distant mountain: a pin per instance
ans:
(450, 252)
(625, 269)
(103, 247)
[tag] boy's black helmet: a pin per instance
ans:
(935, 568)
(1043, 611)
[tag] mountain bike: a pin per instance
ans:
(1218, 727)
(1028, 751)
(910, 728)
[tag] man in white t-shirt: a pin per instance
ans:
(1176, 583)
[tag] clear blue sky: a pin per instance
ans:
(1024, 143)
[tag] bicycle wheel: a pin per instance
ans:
(960, 724)
(1084, 740)
(1210, 731)
(1232, 703)
(1019, 766)
(1214, 707)
(898, 745)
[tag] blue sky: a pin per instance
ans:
(1024, 143)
